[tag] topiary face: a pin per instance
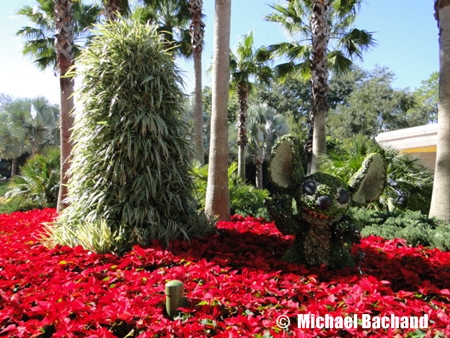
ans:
(322, 199)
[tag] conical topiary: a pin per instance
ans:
(130, 173)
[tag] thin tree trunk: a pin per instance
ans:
(319, 78)
(14, 166)
(64, 50)
(242, 140)
(198, 111)
(111, 9)
(217, 193)
(440, 200)
(259, 171)
(197, 34)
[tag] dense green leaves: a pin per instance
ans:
(37, 185)
(131, 160)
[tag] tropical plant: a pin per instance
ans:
(38, 183)
(131, 159)
(197, 32)
(112, 9)
(245, 66)
(28, 126)
(265, 126)
(333, 43)
(13, 138)
(40, 37)
(217, 193)
(60, 28)
(441, 188)
(41, 124)
(409, 182)
(172, 19)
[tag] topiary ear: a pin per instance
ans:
(286, 169)
(368, 182)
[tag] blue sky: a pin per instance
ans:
(405, 31)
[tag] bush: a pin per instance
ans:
(408, 185)
(37, 186)
(414, 227)
(245, 199)
(131, 165)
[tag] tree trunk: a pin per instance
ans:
(197, 33)
(14, 166)
(319, 78)
(242, 140)
(64, 51)
(440, 200)
(111, 9)
(259, 160)
(217, 193)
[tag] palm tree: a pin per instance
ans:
(326, 24)
(113, 8)
(217, 193)
(197, 31)
(440, 200)
(13, 138)
(172, 17)
(41, 123)
(244, 65)
(40, 36)
(69, 20)
(265, 126)
(65, 57)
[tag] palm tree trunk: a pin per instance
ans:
(111, 9)
(319, 78)
(440, 200)
(197, 33)
(64, 51)
(242, 140)
(217, 193)
(14, 166)
(259, 160)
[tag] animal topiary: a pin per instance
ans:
(313, 207)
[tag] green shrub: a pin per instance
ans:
(413, 226)
(408, 183)
(37, 185)
(245, 199)
(131, 161)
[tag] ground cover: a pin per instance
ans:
(235, 283)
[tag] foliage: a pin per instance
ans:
(346, 42)
(415, 227)
(409, 183)
(234, 280)
(7, 205)
(370, 105)
(28, 125)
(37, 185)
(245, 199)
(131, 162)
(39, 36)
(171, 19)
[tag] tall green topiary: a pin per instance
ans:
(131, 162)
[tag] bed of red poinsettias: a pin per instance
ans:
(234, 280)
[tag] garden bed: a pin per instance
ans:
(235, 282)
